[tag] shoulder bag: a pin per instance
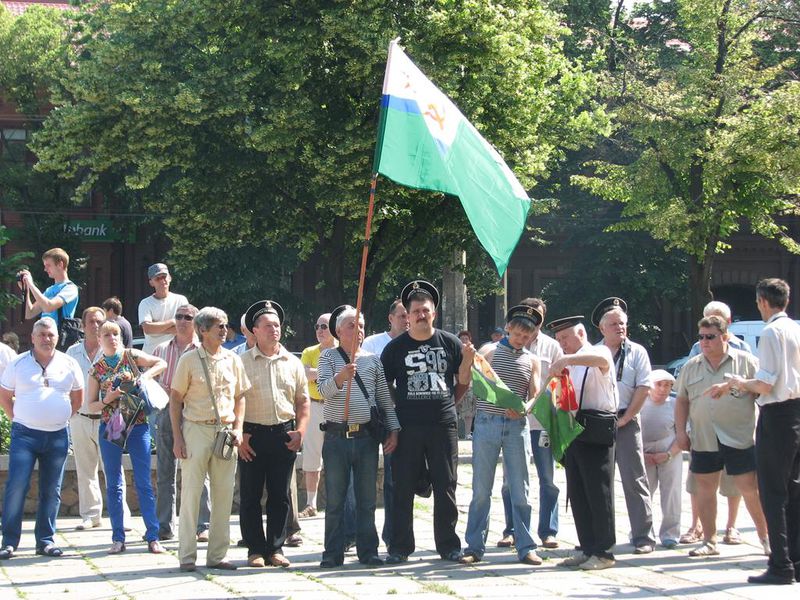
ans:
(599, 426)
(224, 438)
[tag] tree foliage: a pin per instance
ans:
(707, 97)
(252, 125)
(33, 53)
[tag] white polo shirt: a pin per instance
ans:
(7, 356)
(36, 405)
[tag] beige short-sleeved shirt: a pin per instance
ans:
(277, 382)
(731, 420)
(228, 380)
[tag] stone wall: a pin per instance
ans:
(69, 487)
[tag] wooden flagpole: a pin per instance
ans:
(361, 278)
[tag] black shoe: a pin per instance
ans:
(241, 544)
(6, 552)
(396, 559)
(165, 537)
(453, 556)
(372, 561)
(329, 563)
(349, 547)
(771, 579)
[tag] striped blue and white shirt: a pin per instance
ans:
(515, 368)
(370, 370)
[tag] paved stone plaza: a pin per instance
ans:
(86, 572)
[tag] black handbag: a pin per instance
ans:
(599, 426)
(377, 424)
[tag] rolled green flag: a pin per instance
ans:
(487, 386)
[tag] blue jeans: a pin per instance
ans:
(27, 446)
(350, 524)
(342, 457)
(138, 447)
(492, 434)
(548, 492)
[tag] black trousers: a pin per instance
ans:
(590, 488)
(778, 464)
(271, 469)
(438, 444)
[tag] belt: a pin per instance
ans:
(320, 400)
(208, 422)
(92, 417)
(249, 427)
(344, 429)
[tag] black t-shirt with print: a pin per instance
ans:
(423, 373)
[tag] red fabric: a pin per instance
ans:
(561, 387)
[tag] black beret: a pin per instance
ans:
(335, 317)
(523, 311)
(422, 288)
(564, 323)
(606, 305)
(262, 307)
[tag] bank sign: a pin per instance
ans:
(99, 230)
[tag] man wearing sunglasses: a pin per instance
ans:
(632, 371)
(312, 443)
(722, 428)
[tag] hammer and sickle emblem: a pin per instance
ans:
(433, 113)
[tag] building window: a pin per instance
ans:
(14, 144)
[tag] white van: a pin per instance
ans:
(749, 331)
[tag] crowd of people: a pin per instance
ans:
(253, 407)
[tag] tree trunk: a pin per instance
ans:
(332, 268)
(700, 285)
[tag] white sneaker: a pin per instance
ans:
(87, 524)
(597, 563)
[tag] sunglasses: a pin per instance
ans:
(322, 326)
(184, 318)
(708, 336)
(223, 326)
